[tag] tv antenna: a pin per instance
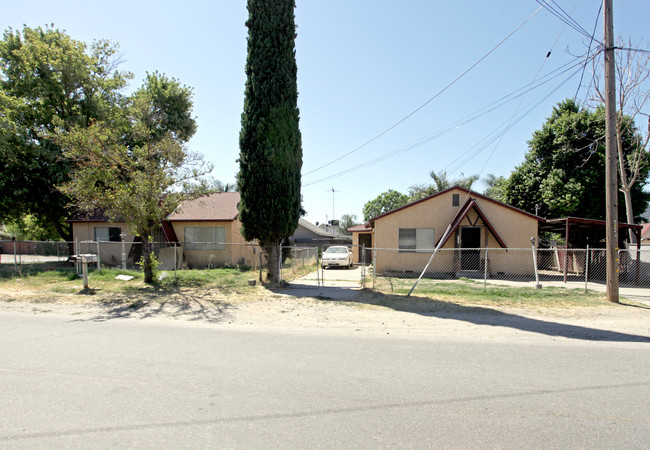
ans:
(333, 192)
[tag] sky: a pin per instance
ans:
(388, 91)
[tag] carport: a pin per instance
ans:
(580, 233)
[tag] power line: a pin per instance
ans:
(568, 67)
(430, 99)
(558, 12)
(511, 122)
(591, 40)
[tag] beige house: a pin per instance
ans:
(410, 234)
(93, 233)
(208, 230)
(205, 233)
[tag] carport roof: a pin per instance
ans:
(588, 227)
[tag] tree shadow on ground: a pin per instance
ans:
(478, 315)
(168, 302)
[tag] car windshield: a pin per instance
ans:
(336, 250)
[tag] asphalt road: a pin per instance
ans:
(79, 382)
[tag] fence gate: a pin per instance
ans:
(303, 266)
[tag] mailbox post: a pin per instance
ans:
(84, 259)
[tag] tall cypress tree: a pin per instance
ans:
(270, 144)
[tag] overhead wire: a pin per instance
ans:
(568, 67)
(436, 95)
(591, 41)
(499, 137)
(514, 114)
(464, 120)
(558, 12)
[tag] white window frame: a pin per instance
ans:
(205, 238)
(422, 239)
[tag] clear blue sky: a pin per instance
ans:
(363, 65)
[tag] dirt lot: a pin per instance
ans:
(338, 310)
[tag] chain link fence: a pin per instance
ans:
(23, 255)
(304, 267)
(379, 268)
(559, 267)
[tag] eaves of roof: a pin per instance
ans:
(469, 205)
(466, 191)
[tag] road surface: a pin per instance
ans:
(84, 381)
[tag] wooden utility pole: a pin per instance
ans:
(611, 175)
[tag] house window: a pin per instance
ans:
(455, 200)
(205, 238)
(416, 239)
(108, 234)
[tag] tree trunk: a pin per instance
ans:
(626, 184)
(274, 261)
(629, 213)
(146, 260)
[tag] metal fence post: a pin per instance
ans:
(374, 267)
(15, 256)
(280, 260)
(363, 266)
(485, 269)
(537, 285)
(587, 268)
(175, 260)
(77, 252)
(99, 258)
(122, 236)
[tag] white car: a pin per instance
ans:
(337, 255)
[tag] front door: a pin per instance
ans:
(365, 240)
(470, 238)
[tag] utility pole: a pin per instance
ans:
(611, 175)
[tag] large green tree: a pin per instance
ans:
(384, 202)
(270, 143)
(137, 168)
(564, 169)
(48, 80)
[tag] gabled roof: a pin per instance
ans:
(213, 207)
(95, 216)
(313, 228)
(469, 205)
(466, 191)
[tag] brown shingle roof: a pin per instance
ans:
(218, 206)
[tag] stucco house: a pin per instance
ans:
(208, 230)
(475, 221)
(205, 233)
